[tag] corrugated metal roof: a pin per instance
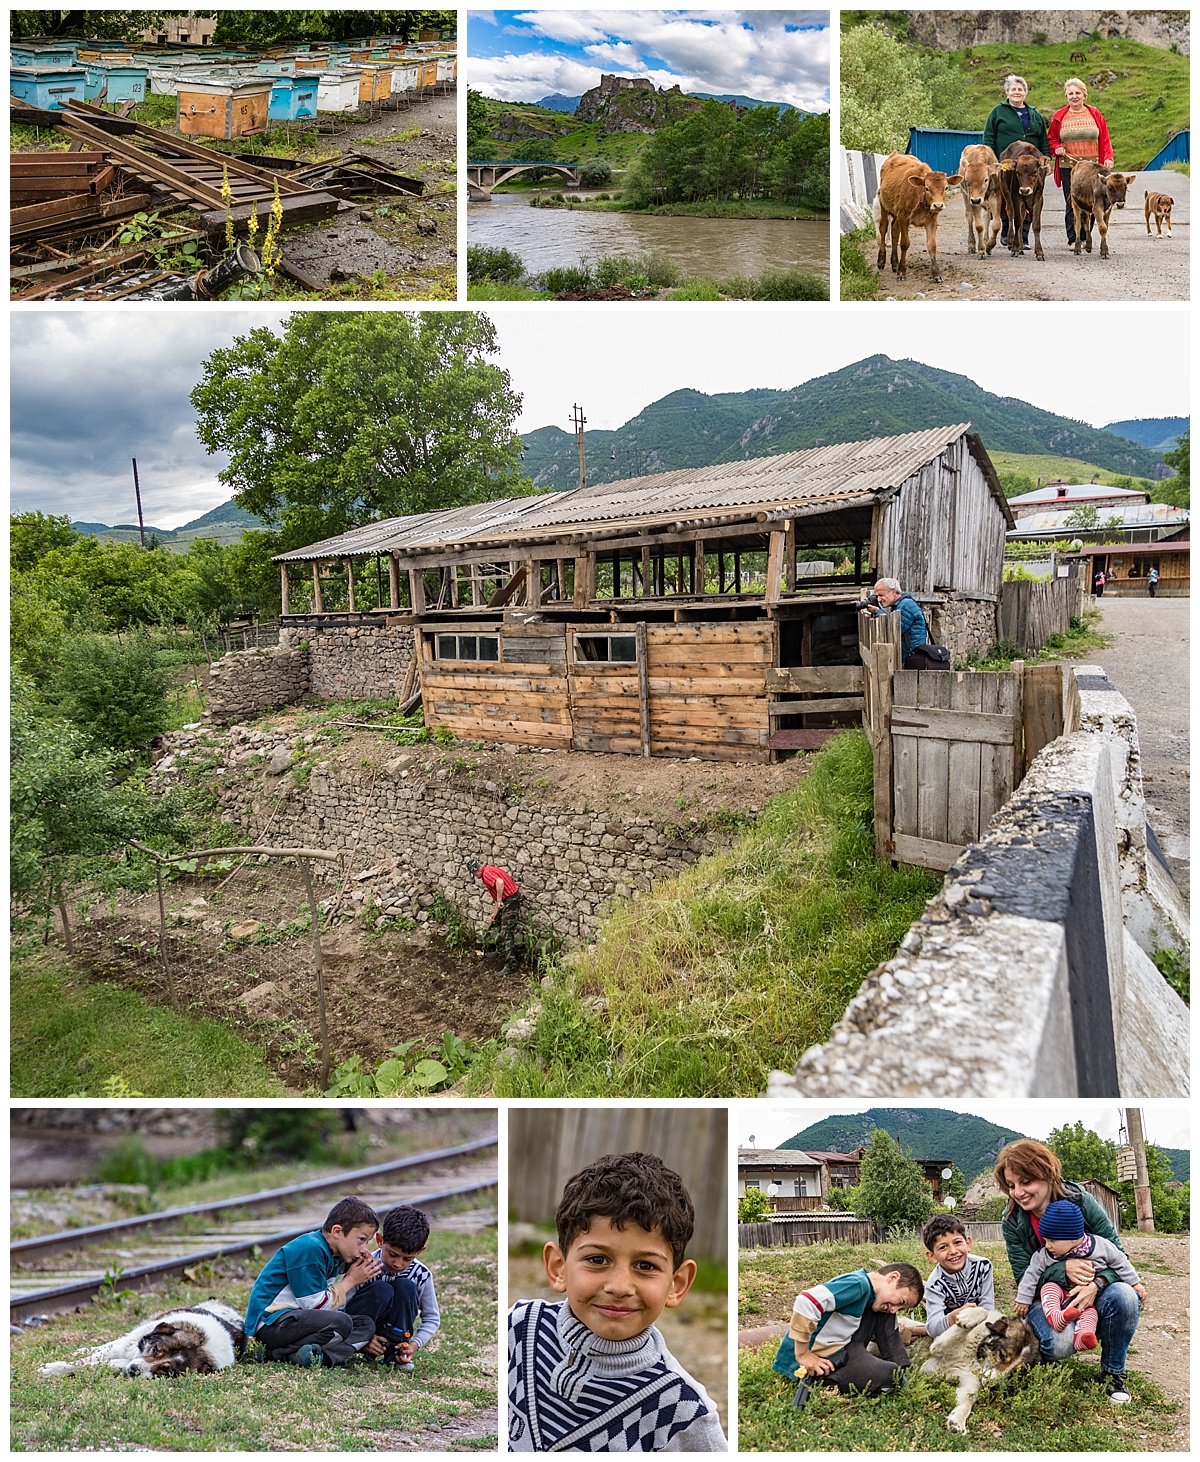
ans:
(1129, 518)
(1069, 492)
(839, 474)
(776, 1157)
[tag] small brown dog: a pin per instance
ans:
(1158, 207)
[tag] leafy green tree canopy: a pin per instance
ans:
(478, 125)
(1177, 490)
(754, 1206)
(891, 1188)
(101, 25)
(282, 26)
(888, 87)
(1084, 1154)
(113, 688)
(31, 536)
(351, 417)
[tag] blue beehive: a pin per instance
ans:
(48, 87)
(938, 148)
(42, 53)
(294, 97)
(117, 83)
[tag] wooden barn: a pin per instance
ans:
(702, 612)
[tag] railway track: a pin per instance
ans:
(139, 1252)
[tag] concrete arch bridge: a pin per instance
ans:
(483, 177)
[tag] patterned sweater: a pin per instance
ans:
(427, 1304)
(972, 1285)
(571, 1391)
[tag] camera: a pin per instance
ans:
(870, 602)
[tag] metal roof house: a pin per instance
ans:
(652, 615)
(1067, 496)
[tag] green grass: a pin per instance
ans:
(1046, 1409)
(859, 278)
(1144, 74)
(487, 290)
(69, 1036)
(734, 967)
(268, 1407)
(1081, 639)
(1038, 464)
(777, 284)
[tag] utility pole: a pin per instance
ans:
(138, 492)
(1141, 1181)
(579, 420)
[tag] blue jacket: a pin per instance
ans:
(913, 629)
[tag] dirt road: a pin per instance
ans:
(1139, 267)
(1148, 663)
(1161, 1346)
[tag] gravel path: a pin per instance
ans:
(1161, 1346)
(1148, 663)
(1139, 267)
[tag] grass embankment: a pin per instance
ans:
(752, 208)
(1081, 639)
(259, 1408)
(733, 968)
(1143, 92)
(72, 1036)
(1057, 1408)
(859, 278)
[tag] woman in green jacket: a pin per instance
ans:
(1031, 1177)
(1013, 120)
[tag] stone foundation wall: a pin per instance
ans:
(244, 685)
(428, 826)
(964, 625)
(359, 662)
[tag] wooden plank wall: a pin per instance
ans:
(521, 701)
(943, 529)
(1033, 610)
(956, 747)
(546, 1146)
(708, 689)
(792, 1235)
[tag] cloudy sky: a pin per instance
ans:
(92, 388)
(1166, 1123)
(771, 55)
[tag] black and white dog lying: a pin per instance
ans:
(201, 1338)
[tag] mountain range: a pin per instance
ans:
(1159, 433)
(875, 397)
(226, 523)
(970, 1142)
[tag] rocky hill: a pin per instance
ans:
(871, 398)
(952, 30)
(633, 104)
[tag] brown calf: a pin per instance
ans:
(1095, 192)
(979, 171)
(910, 192)
(1158, 206)
(1023, 172)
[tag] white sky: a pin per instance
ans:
(91, 388)
(1167, 1123)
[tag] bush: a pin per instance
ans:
(501, 265)
(567, 277)
(697, 289)
(754, 1207)
(114, 689)
(595, 172)
(858, 280)
(777, 284)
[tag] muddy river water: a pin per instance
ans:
(716, 248)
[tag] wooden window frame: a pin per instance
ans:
(609, 635)
(436, 637)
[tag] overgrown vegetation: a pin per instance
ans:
(736, 966)
(1080, 639)
(859, 279)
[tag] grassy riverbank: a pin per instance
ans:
(748, 208)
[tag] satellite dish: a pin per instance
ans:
(947, 1172)
(951, 1201)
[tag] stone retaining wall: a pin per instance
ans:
(359, 662)
(964, 626)
(1030, 973)
(246, 684)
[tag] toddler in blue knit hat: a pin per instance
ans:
(1062, 1233)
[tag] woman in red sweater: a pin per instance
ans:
(1077, 133)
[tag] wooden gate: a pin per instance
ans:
(949, 747)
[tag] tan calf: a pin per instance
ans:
(1095, 192)
(910, 192)
(979, 174)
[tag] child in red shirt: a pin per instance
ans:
(498, 883)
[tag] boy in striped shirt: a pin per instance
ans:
(833, 1323)
(402, 1291)
(959, 1277)
(592, 1373)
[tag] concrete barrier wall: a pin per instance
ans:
(859, 181)
(1030, 974)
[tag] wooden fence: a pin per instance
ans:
(1033, 610)
(546, 1146)
(949, 747)
(814, 1230)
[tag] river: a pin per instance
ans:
(716, 248)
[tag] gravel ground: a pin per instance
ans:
(1139, 267)
(1148, 663)
(1161, 1347)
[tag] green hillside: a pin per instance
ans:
(226, 523)
(1159, 433)
(969, 1142)
(1142, 91)
(1181, 1162)
(523, 132)
(1035, 465)
(871, 398)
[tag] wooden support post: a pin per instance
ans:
(644, 686)
(533, 582)
(647, 572)
(393, 581)
(789, 555)
(774, 568)
(583, 562)
(885, 656)
(452, 570)
(285, 603)
(720, 573)
(416, 590)
(737, 573)
(698, 563)
(319, 961)
(318, 603)
(679, 573)
(561, 565)
(1042, 709)
(162, 937)
(350, 584)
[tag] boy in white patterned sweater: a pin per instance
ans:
(592, 1373)
(402, 1292)
(959, 1278)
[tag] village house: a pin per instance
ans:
(704, 612)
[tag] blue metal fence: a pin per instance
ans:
(940, 149)
(1179, 149)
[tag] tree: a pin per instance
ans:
(113, 689)
(1084, 1154)
(956, 1184)
(479, 125)
(892, 1190)
(281, 26)
(1170, 1204)
(31, 536)
(754, 1207)
(108, 25)
(1177, 490)
(346, 418)
(888, 87)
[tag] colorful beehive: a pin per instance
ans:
(39, 54)
(374, 84)
(117, 82)
(48, 87)
(281, 66)
(447, 68)
(405, 76)
(310, 61)
(293, 98)
(224, 107)
(429, 74)
(338, 91)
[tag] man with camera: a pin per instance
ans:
(889, 598)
